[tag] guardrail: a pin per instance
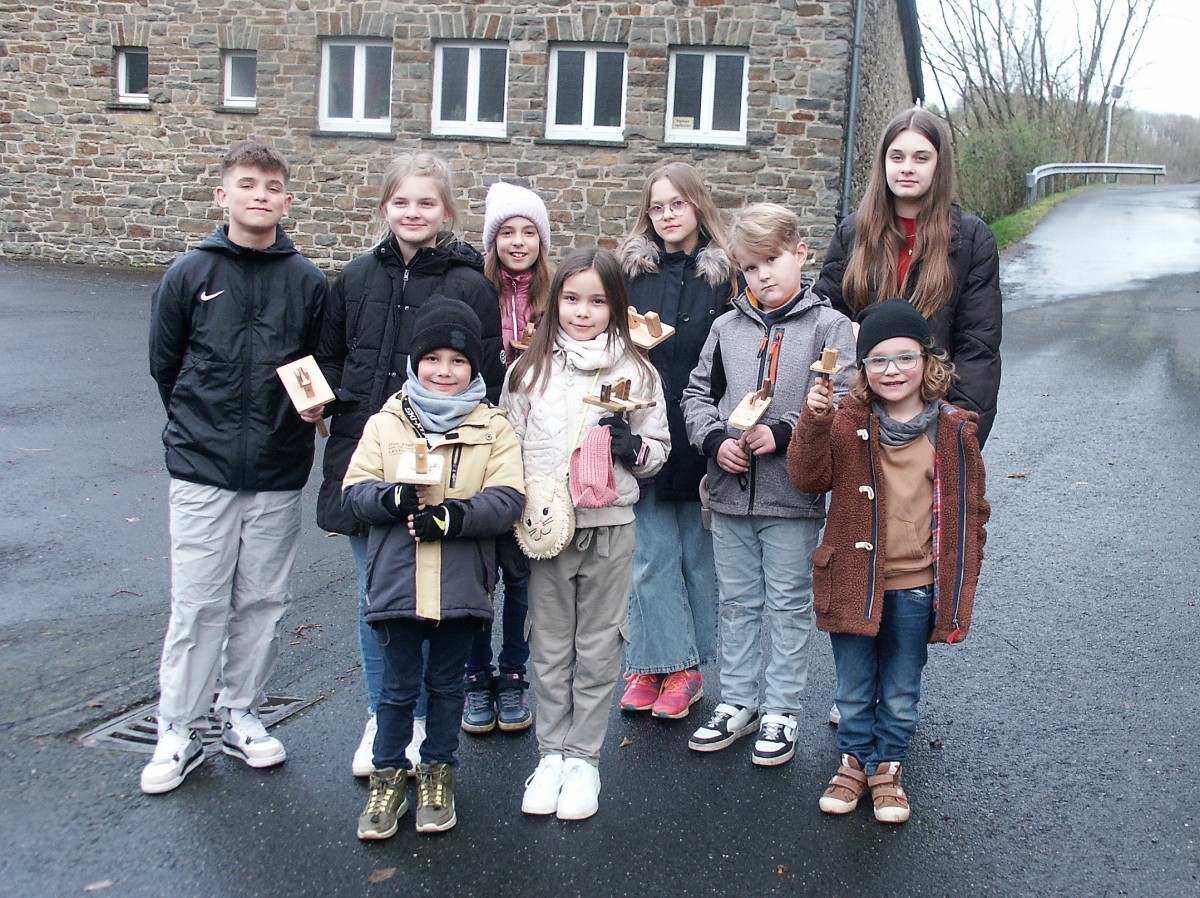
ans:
(1087, 169)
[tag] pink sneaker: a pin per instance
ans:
(642, 691)
(680, 691)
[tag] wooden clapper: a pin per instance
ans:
(614, 397)
(306, 386)
(647, 331)
(751, 409)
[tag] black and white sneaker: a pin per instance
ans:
(727, 724)
(776, 743)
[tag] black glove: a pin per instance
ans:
(512, 560)
(625, 443)
(436, 522)
(401, 501)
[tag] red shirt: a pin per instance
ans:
(910, 240)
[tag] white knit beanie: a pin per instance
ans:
(505, 201)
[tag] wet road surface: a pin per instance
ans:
(1054, 754)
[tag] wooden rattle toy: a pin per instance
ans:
(647, 331)
(523, 343)
(751, 409)
(418, 467)
(614, 397)
(826, 365)
(306, 386)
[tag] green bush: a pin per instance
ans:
(992, 165)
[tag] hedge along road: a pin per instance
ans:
(1054, 753)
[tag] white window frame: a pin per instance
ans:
(705, 133)
(357, 121)
(123, 93)
(239, 102)
(471, 126)
(587, 130)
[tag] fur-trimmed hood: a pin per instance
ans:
(639, 255)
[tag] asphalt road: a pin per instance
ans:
(1057, 746)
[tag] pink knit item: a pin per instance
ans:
(592, 480)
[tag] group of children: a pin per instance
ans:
(417, 341)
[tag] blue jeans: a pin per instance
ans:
(879, 679)
(404, 644)
(368, 649)
(514, 650)
(673, 604)
(764, 566)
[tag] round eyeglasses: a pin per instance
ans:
(658, 210)
(905, 361)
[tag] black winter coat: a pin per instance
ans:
(689, 291)
(363, 350)
(222, 319)
(968, 327)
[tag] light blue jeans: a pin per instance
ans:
(673, 603)
(764, 567)
(368, 648)
(879, 679)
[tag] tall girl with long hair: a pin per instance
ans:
(675, 264)
(579, 599)
(909, 238)
(516, 242)
(364, 346)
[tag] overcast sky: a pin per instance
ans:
(1167, 69)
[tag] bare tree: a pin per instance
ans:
(1002, 62)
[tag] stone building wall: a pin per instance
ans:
(86, 179)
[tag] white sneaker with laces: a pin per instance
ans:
(776, 742)
(245, 737)
(727, 724)
(364, 756)
(413, 751)
(177, 754)
(543, 786)
(579, 797)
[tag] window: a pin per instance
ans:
(133, 75)
(706, 96)
(470, 90)
(587, 92)
(240, 70)
(356, 86)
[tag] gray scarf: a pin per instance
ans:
(438, 413)
(899, 433)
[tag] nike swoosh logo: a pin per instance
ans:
(205, 297)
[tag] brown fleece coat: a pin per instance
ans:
(840, 452)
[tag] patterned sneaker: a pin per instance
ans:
(177, 754)
(776, 742)
(543, 786)
(848, 785)
(727, 724)
(245, 737)
(680, 691)
(512, 709)
(479, 705)
(435, 798)
(364, 755)
(888, 796)
(642, 691)
(385, 806)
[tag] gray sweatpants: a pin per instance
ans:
(231, 565)
(578, 608)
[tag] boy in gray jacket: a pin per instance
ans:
(764, 529)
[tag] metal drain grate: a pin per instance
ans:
(138, 730)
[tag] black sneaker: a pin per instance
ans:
(511, 706)
(479, 705)
(727, 724)
(776, 743)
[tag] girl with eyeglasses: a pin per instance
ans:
(675, 264)
(899, 560)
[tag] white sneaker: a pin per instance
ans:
(835, 715)
(177, 754)
(776, 743)
(413, 751)
(245, 737)
(727, 724)
(364, 756)
(543, 786)
(579, 797)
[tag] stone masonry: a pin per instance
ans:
(84, 178)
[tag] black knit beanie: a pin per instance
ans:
(444, 323)
(893, 317)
